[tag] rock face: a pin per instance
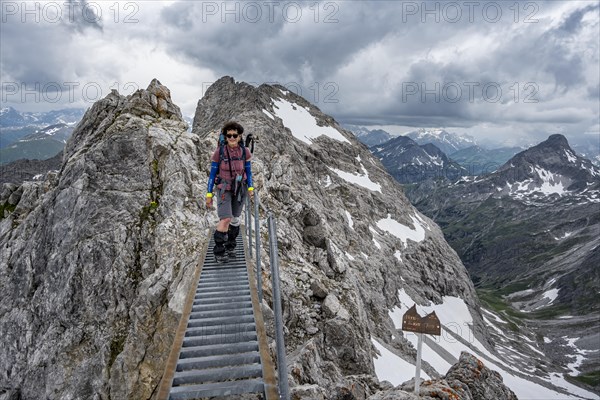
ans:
(96, 260)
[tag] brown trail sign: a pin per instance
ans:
(413, 322)
(429, 324)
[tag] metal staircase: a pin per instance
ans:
(221, 348)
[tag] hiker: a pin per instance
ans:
(230, 171)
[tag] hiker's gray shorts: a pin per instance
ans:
(228, 207)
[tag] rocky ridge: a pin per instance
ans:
(97, 258)
(338, 285)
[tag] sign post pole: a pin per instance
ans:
(429, 324)
(418, 372)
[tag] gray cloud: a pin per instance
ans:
(367, 52)
(573, 22)
(35, 41)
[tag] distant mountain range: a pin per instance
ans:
(477, 160)
(409, 162)
(9, 117)
(528, 234)
(446, 141)
(369, 137)
(43, 144)
(35, 136)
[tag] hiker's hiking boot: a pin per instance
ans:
(232, 235)
(219, 250)
(222, 258)
(231, 253)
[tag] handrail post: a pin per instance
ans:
(257, 245)
(249, 225)
(284, 391)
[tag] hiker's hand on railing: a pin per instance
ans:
(209, 200)
(251, 191)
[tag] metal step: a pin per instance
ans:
(218, 284)
(224, 277)
(235, 328)
(199, 315)
(219, 300)
(216, 273)
(220, 360)
(220, 320)
(218, 349)
(238, 337)
(233, 292)
(221, 306)
(217, 389)
(241, 286)
(217, 374)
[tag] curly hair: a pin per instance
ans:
(232, 126)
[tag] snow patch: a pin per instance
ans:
(360, 180)
(551, 295)
(403, 232)
(350, 222)
(302, 124)
(269, 114)
(571, 156)
(389, 367)
(398, 255)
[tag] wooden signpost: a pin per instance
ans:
(429, 324)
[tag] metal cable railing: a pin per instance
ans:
(284, 391)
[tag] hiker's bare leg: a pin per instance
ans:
(223, 225)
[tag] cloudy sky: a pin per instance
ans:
(512, 72)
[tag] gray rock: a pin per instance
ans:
(482, 383)
(318, 288)
(96, 261)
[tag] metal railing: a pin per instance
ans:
(284, 391)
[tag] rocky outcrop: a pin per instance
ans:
(96, 260)
(468, 379)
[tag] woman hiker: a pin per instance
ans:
(230, 171)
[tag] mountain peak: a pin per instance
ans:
(556, 141)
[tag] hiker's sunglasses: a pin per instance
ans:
(232, 136)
